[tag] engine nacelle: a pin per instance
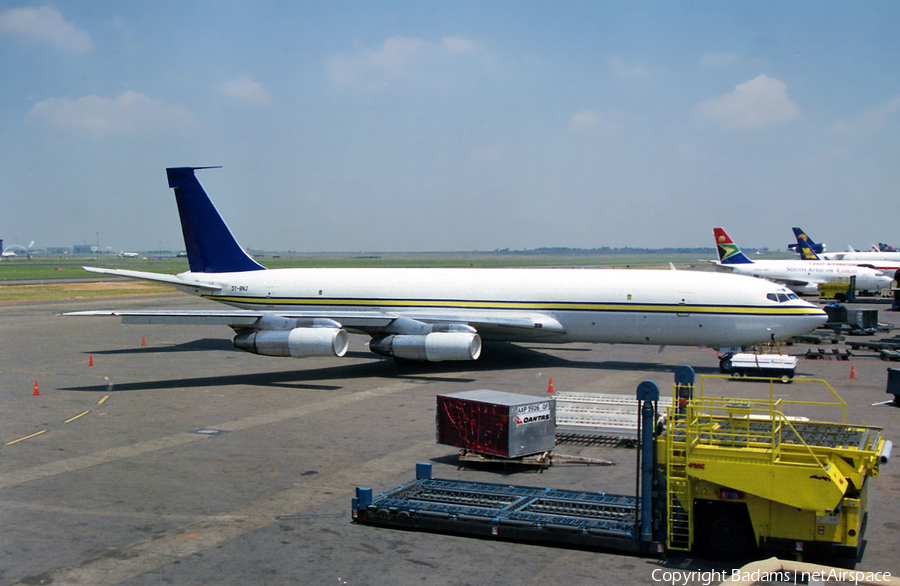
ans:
(433, 347)
(298, 342)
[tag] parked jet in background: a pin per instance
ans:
(887, 263)
(801, 276)
(866, 256)
(443, 314)
(799, 234)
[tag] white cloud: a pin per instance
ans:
(688, 152)
(397, 58)
(45, 24)
(869, 120)
(584, 121)
(824, 161)
(609, 122)
(397, 55)
(118, 24)
(341, 70)
(246, 90)
(490, 154)
(457, 45)
(128, 113)
(620, 68)
(759, 103)
(722, 59)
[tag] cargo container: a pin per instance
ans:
(495, 423)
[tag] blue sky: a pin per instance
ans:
(413, 126)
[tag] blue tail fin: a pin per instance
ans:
(210, 246)
(805, 246)
(799, 234)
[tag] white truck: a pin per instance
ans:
(763, 365)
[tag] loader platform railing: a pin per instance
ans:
(838, 402)
(758, 428)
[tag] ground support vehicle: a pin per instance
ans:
(760, 365)
(841, 292)
(741, 474)
(726, 476)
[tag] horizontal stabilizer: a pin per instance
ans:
(154, 277)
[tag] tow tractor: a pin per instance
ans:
(759, 365)
(725, 476)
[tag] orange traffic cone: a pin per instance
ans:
(550, 386)
(91, 360)
(143, 341)
(36, 392)
(852, 372)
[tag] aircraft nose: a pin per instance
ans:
(813, 317)
(821, 316)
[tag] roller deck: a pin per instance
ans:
(507, 512)
(818, 436)
(599, 414)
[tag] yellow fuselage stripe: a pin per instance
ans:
(520, 305)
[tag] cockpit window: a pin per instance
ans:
(781, 297)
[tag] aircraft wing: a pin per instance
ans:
(370, 322)
(788, 282)
(532, 324)
(237, 319)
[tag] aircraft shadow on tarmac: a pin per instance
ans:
(496, 356)
(203, 344)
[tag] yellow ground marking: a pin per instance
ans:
(103, 400)
(18, 477)
(22, 439)
(210, 531)
(82, 414)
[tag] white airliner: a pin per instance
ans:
(887, 263)
(801, 276)
(443, 314)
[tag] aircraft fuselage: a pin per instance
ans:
(583, 305)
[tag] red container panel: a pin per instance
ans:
(474, 426)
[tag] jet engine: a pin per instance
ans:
(297, 342)
(433, 347)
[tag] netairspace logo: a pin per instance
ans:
(706, 578)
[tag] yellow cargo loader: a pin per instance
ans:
(838, 291)
(721, 476)
(741, 474)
